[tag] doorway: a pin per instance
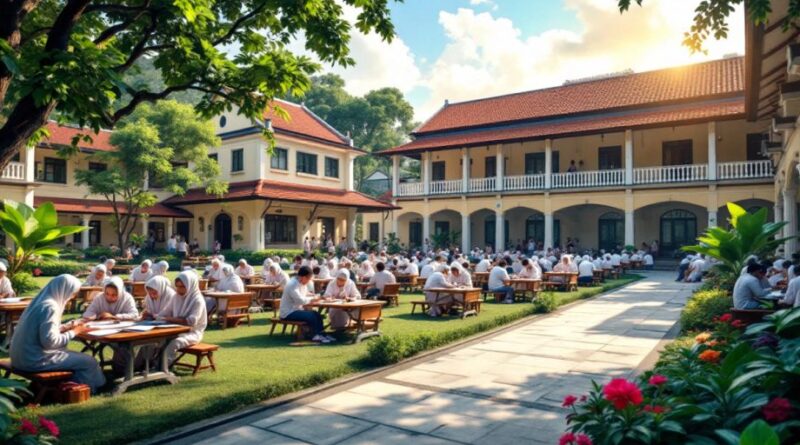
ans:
(223, 230)
(678, 229)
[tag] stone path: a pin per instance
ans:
(506, 389)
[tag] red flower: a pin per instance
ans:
(583, 439)
(622, 393)
(738, 324)
(27, 427)
(658, 380)
(569, 401)
(37, 272)
(724, 318)
(583, 398)
(777, 410)
(657, 409)
(566, 439)
(50, 426)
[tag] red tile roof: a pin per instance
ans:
(102, 207)
(729, 109)
(63, 134)
(717, 78)
(303, 122)
(283, 191)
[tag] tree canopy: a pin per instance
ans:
(71, 56)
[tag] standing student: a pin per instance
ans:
(182, 248)
(185, 308)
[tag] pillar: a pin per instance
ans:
(548, 169)
(351, 228)
(350, 172)
(465, 234)
(630, 234)
(500, 163)
(30, 163)
(146, 184)
(499, 228)
(171, 228)
(628, 157)
(85, 234)
(712, 152)
(395, 175)
(777, 212)
(257, 233)
(426, 173)
(145, 222)
(712, 218)
(548, 230)
(790, 216)
(465, 166)
(395, 226)
(426, 228)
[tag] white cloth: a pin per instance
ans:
(586, 269)
(6, 291)
(278, 276)
(436, 280)
(792, 290)
(189, 307)
(139, 276)
(463, 279)
(245, 270)
(165, 294)
(160, 268)
(122, 309)
(483, 265)
(39, 344)
(498, 277)
(295, 296)
(381, 279)
(92, 279)
(339, 318)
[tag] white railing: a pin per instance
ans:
(593, 178)
(745, 169)
(670, 173)
(523, 182)
(410, 189)
(477, 185)
(14, 171)
(446, 187)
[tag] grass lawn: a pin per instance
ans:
(254, 367)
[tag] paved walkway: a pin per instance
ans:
(506, 389)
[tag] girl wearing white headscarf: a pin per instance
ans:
(110, 263)
(160, 269)
(230, 282)
(6, 291)
(143, 272)
(531, 269)
(365, 271)
(97, 276)
(244, 270)
(342, 288)
(215, 270)
(265, 268)
(40, 340)
(113, 304)
(459, 276)
(277, 276)
(159, 294)
(438, 279)
(187, 308)
(325, 269)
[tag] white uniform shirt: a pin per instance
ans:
(497, 277)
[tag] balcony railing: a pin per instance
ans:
(594, 178)
(670, 174)
(14, 171)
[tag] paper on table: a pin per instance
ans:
(11, 300)
(105, 332)
(138, 328)
(168, 326)
(110, 324)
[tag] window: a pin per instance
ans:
(94, 235)
(331, 167)
(279, 159)
(437, 171)
(441, 227)
(223, 121)
(490, 166)
(677, 152)
(306, 163)
(97, 167)
(55, 170)
(214, 157)
(158, 230)
(280, 229)
(609, 158)
(237, 160)
(374, 232)
(535, 163)
(754, 146)
(16, 157)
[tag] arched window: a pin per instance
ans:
(240, 223)
(611, 231)
(678, 229)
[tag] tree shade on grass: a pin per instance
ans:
(252, 366)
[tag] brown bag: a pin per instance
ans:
(71, 392)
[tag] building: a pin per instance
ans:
(304, 188)
(606, 162)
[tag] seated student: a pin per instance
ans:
(244, 270)
(230, 282)
(6, 291)
(40, 340)
(142, 272)
(265, 268)
(295, 296)
(791, 299)
(277, 276)
(160, 268)
(159, 294)
(749, 289)
(109, 264)
(325, 269)
(114, 303)
(530, 270)
(499, 282)
(365, 271)
(648, 261)
(214, 271)
(342, 288)
(185, 308)
(96, 277)
(438, 280)
(379, 281)
(459, 277)
(585, 272)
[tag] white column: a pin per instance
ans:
(30, 164)
(263, 161)
(146, 184)
(85, 234)
(426, 228)
(548, 169)
(171, 228)
(144, 227)
(350, 173)
(257, 233)
(777, 211)
(500, 163)
(790, 216)
(548, 230)
(712, 218)
(351, 228)
(499, 228)
(465, 234)
(395, 225)
(629, 233)
(628, 157)
(465, 170)
(426, 173)
(395, 175)
(712, 151)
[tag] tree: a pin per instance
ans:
(167, 141)
(71, 56)
(711, 18)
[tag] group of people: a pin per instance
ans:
(759, 278)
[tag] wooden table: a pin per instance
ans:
(362, 287)
(598, 275)
(407, 281)
(128, 343)
(223, 297)
(320, 284)
(526, 285)
(83, 296)
(467, 298)
(11, 313)
(565, 279)
(265, 294)
(362, 313)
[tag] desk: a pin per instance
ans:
(265, 294)
(468, 298)
(525, 286)
(320, 284)
(11, 313)
(233, 302)
(128, 342)
(85, 295)
(598, 276)
(564, 280)
(363, 314)
(362, 287)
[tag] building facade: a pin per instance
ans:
(600, 164)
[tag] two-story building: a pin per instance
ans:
(604, 162)
(302, 188)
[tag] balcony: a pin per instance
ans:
(673, 174)
(14, 171)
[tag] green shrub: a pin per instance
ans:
(98, 252)
(545, 303)
(701, 309)
(23, 283)
(258, 257)
(387, 349)
(55, 267)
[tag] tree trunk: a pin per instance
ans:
(20, 126)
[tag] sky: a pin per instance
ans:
(460, 50)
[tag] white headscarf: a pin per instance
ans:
(59, 289)
(229, 281)
(91, 280)
(190, 306)
(138, 275)
(3, 267)
(165, 294)
(124, 299)
(161, 268)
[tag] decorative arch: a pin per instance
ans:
(223, 230)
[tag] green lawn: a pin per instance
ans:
(254, 367)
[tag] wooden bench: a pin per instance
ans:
(297, 327)
(238, 307)
(199, 351)
(424, 306)
(42, 383)
(750, 316)
(391, 293)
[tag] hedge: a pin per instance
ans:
(703, 307)
(51, 267)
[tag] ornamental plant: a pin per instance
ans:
(18, 429)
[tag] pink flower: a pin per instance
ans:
(656, 409)
(777, 410)
(658, 380)
(27, 427)
(583, 439)
(37, 272)
(622, 393)
(583, 398)
(569, 401)
(566, 439)
(724, 318)
(50, 426)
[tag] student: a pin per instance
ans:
(113, 304)
(159, 294)
(342, 288)
(499, 281)
(585, 272)
(244, 270)
(230, 282)
(365, 271)
(110, 263)
(214, 272)
(459, 276)
(160, 268)
(748, 288)
(531, 270)
(185, 308)
(295, 296)
(40, 341)
(143, 272)
(97, 276)
(277, 276)
(438, 280)
(172, 244)
(379, 281)
(6, 291)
